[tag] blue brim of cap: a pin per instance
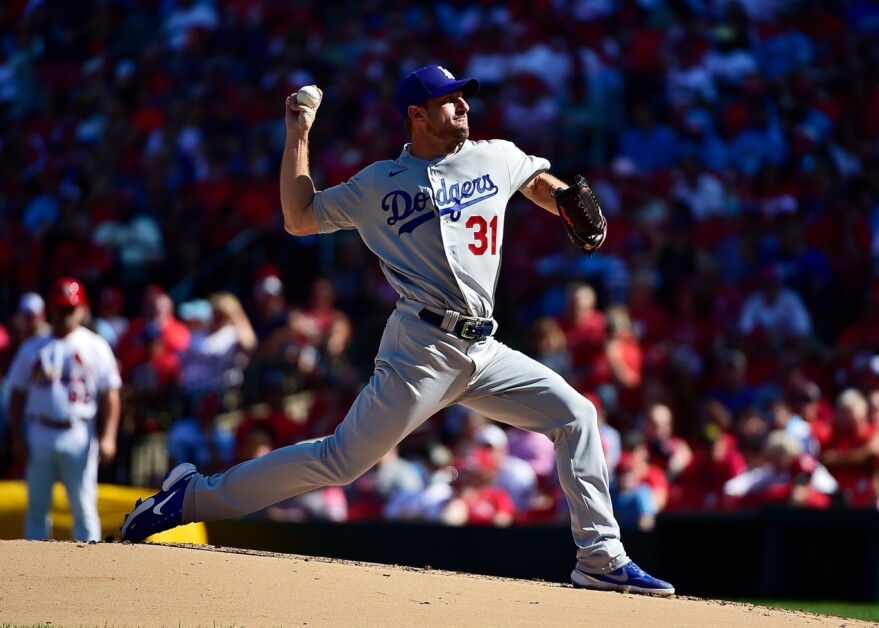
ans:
(468, 86)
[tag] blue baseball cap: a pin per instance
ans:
(428, 82)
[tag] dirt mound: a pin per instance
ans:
(63, 583)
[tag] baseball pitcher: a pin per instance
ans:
(435, 218)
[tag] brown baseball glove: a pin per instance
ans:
(581, 215)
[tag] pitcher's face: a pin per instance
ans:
(447, 117)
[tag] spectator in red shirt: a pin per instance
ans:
(322, 323)
(773, 319)
(668, 451)
(151, 383)
(514, 475)
(316, 337)
(625, 358)
(585, 328)
(851, 452)
(270, 418)
(866, 492)
(715, 460)
(788, 475)
(478, 501)
(157, 313)
(616, 372)
(637, 453)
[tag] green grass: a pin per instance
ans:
(852, 610)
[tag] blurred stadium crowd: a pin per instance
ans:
(728, 330)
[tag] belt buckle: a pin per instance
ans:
(475, 330)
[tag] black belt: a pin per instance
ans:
(469, 328)
(58, 424)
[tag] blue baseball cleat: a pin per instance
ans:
(629, 578)
(161, 511)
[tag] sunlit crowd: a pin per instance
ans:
(727, 330)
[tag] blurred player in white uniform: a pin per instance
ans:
(435, 218)
(64, 413)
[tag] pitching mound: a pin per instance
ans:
(65, 584)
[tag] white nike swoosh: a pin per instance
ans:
(158, 509)
(622, 578)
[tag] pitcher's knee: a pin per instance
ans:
(341, 466)
(345, 474)
(585, 416)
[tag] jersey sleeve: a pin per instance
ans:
(338, 207)
(109, 378)
(522, 167)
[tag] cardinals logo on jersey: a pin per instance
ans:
(41, 373)
(76, 367)
(44, 372)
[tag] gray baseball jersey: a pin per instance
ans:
(437, 227)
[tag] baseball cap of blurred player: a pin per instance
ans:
(68, 292)
(491, 435)
(626, 463)
(428, 82)
(31, 304)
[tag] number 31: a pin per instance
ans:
(484, 235)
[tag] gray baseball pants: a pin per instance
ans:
(421, 369)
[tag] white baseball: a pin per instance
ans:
(308, 96)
